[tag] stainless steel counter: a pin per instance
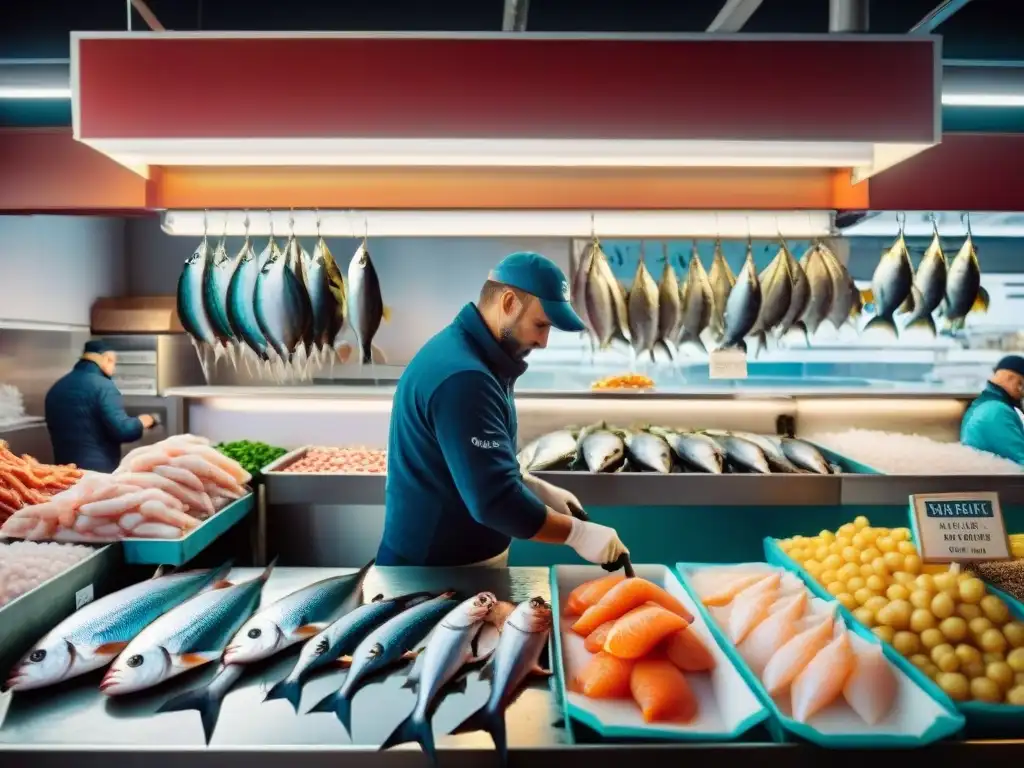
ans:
(76, 719)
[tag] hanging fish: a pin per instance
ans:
(929, 284)
(776, 293)
(963, 286)
(799, 296)
(643, 310)
(281, 304)
(697, 302)
(578, 295)
(191, 310)
(743, 305)
(241, 297)
(216, 280)
(620, 310)
(722, 281)
(338, 290)
(890, 285)
(366, 306)
(300, 262)
(843, 296)
(819, 285)
(670, 311)
(600, 305)
(327, 317)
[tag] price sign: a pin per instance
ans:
(83, 596)
(953, 527)
(727, 364)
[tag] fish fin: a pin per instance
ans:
(161, 570)
(688, 340)
(377, 598)
(911, 302)
(883, 325)
(414, 674)
(386, 314)
(326, 704)
(981, 303)
(198, 658)
(487, 671)
(343, 661)
(222, 584)
(924, 323)
(416, 729)
(204, 700)
(268, 570)
(796, 332)
(377, 355)
(484, 643)
(411, 683)
(308, 630)
(457, 685)
(666, 348)
(477, 721)
(288, 689)
(110, 649)
(539, 671)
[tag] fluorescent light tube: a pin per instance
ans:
(983, 99)
(34, 92)
(503, 223)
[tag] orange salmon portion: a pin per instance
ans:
(687, 651)
(638, 632)
(604, 677)
(661, 692)
(595, 640)
(588, 593)
(623, 597)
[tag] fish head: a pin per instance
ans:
(48, 662)
(258, 638)
(480, 606)
(136, 669)
(376, 651)
(535, 614)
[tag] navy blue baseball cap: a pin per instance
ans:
(96, 347)
(1013, 363)
(540, 276)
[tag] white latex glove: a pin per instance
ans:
(596, 543)
(559, 499)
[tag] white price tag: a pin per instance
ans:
(83, 596)
(727, 364)
(954, 527)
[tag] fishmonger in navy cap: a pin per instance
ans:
(455, 493)
(995, 421)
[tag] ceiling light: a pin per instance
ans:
(502, 223)
(34, 92)
(983, 100)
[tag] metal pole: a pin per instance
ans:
(516, 12)
(848, 16)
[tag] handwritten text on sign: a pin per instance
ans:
(959, 526)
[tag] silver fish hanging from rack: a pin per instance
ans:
(281, 302)
(366, 305)
(241, 297)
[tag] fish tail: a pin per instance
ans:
(926, 323)
(342, 707)
(883, 325)
(416, 728)
(288, 689)
(493, 723)
(797, 331)
(205, 700)
(687, 339)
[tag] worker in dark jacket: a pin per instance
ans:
(455, 494)
(993, 422)
(85, 413)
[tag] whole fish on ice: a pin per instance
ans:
(241, 297)
(524, 637)
(280, 625)
(91, 637)
(340, 639)
(455, 642)
(366, 306)
(649, 451)
(805, 455)
(695, 450)
(386, 645)
(188, 636)
(742, 453)
(602, 449)
(555, 450)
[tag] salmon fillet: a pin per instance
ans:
(588, 593)
(623, 597)
(595, 640)
(604, 677)
(687, 651)
(661, 692)
(638, 632)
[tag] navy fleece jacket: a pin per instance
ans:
(455, 494)
(86, 419)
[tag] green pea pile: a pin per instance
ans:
(252, 455)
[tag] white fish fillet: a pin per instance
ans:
(870, 689)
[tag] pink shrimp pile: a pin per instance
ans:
(159, 491)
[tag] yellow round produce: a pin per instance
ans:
(955, 685)
(1000, 673)
(907, 643)
(992, 641)
(1014, 632)
(968, 654)
(885, 633)
(921, 619)
(1015, 696)
(942, 650)
(854, 583)
(847, 600)
(865, 616)
(979, 626)
(864, 595)
(967, 611)
(1015, 659)
(954, 629)
(995, 609)
(972, 590)
(921, 598)
(920, 661)
(984, 689)
(932, 638)
(897, 592)
(942, 606)
(972, 669)
(993, 656)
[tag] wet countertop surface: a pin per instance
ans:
(75, 715)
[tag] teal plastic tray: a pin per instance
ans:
(653, 732)
(180, 551)
(946, 725)
(848, 465)
(981, 717)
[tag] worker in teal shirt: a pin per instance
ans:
(993, 422)
(455, 494)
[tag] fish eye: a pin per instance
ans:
(37, 656)
(377, 650)
(135, 661)
(255, 632)
(321, 647)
